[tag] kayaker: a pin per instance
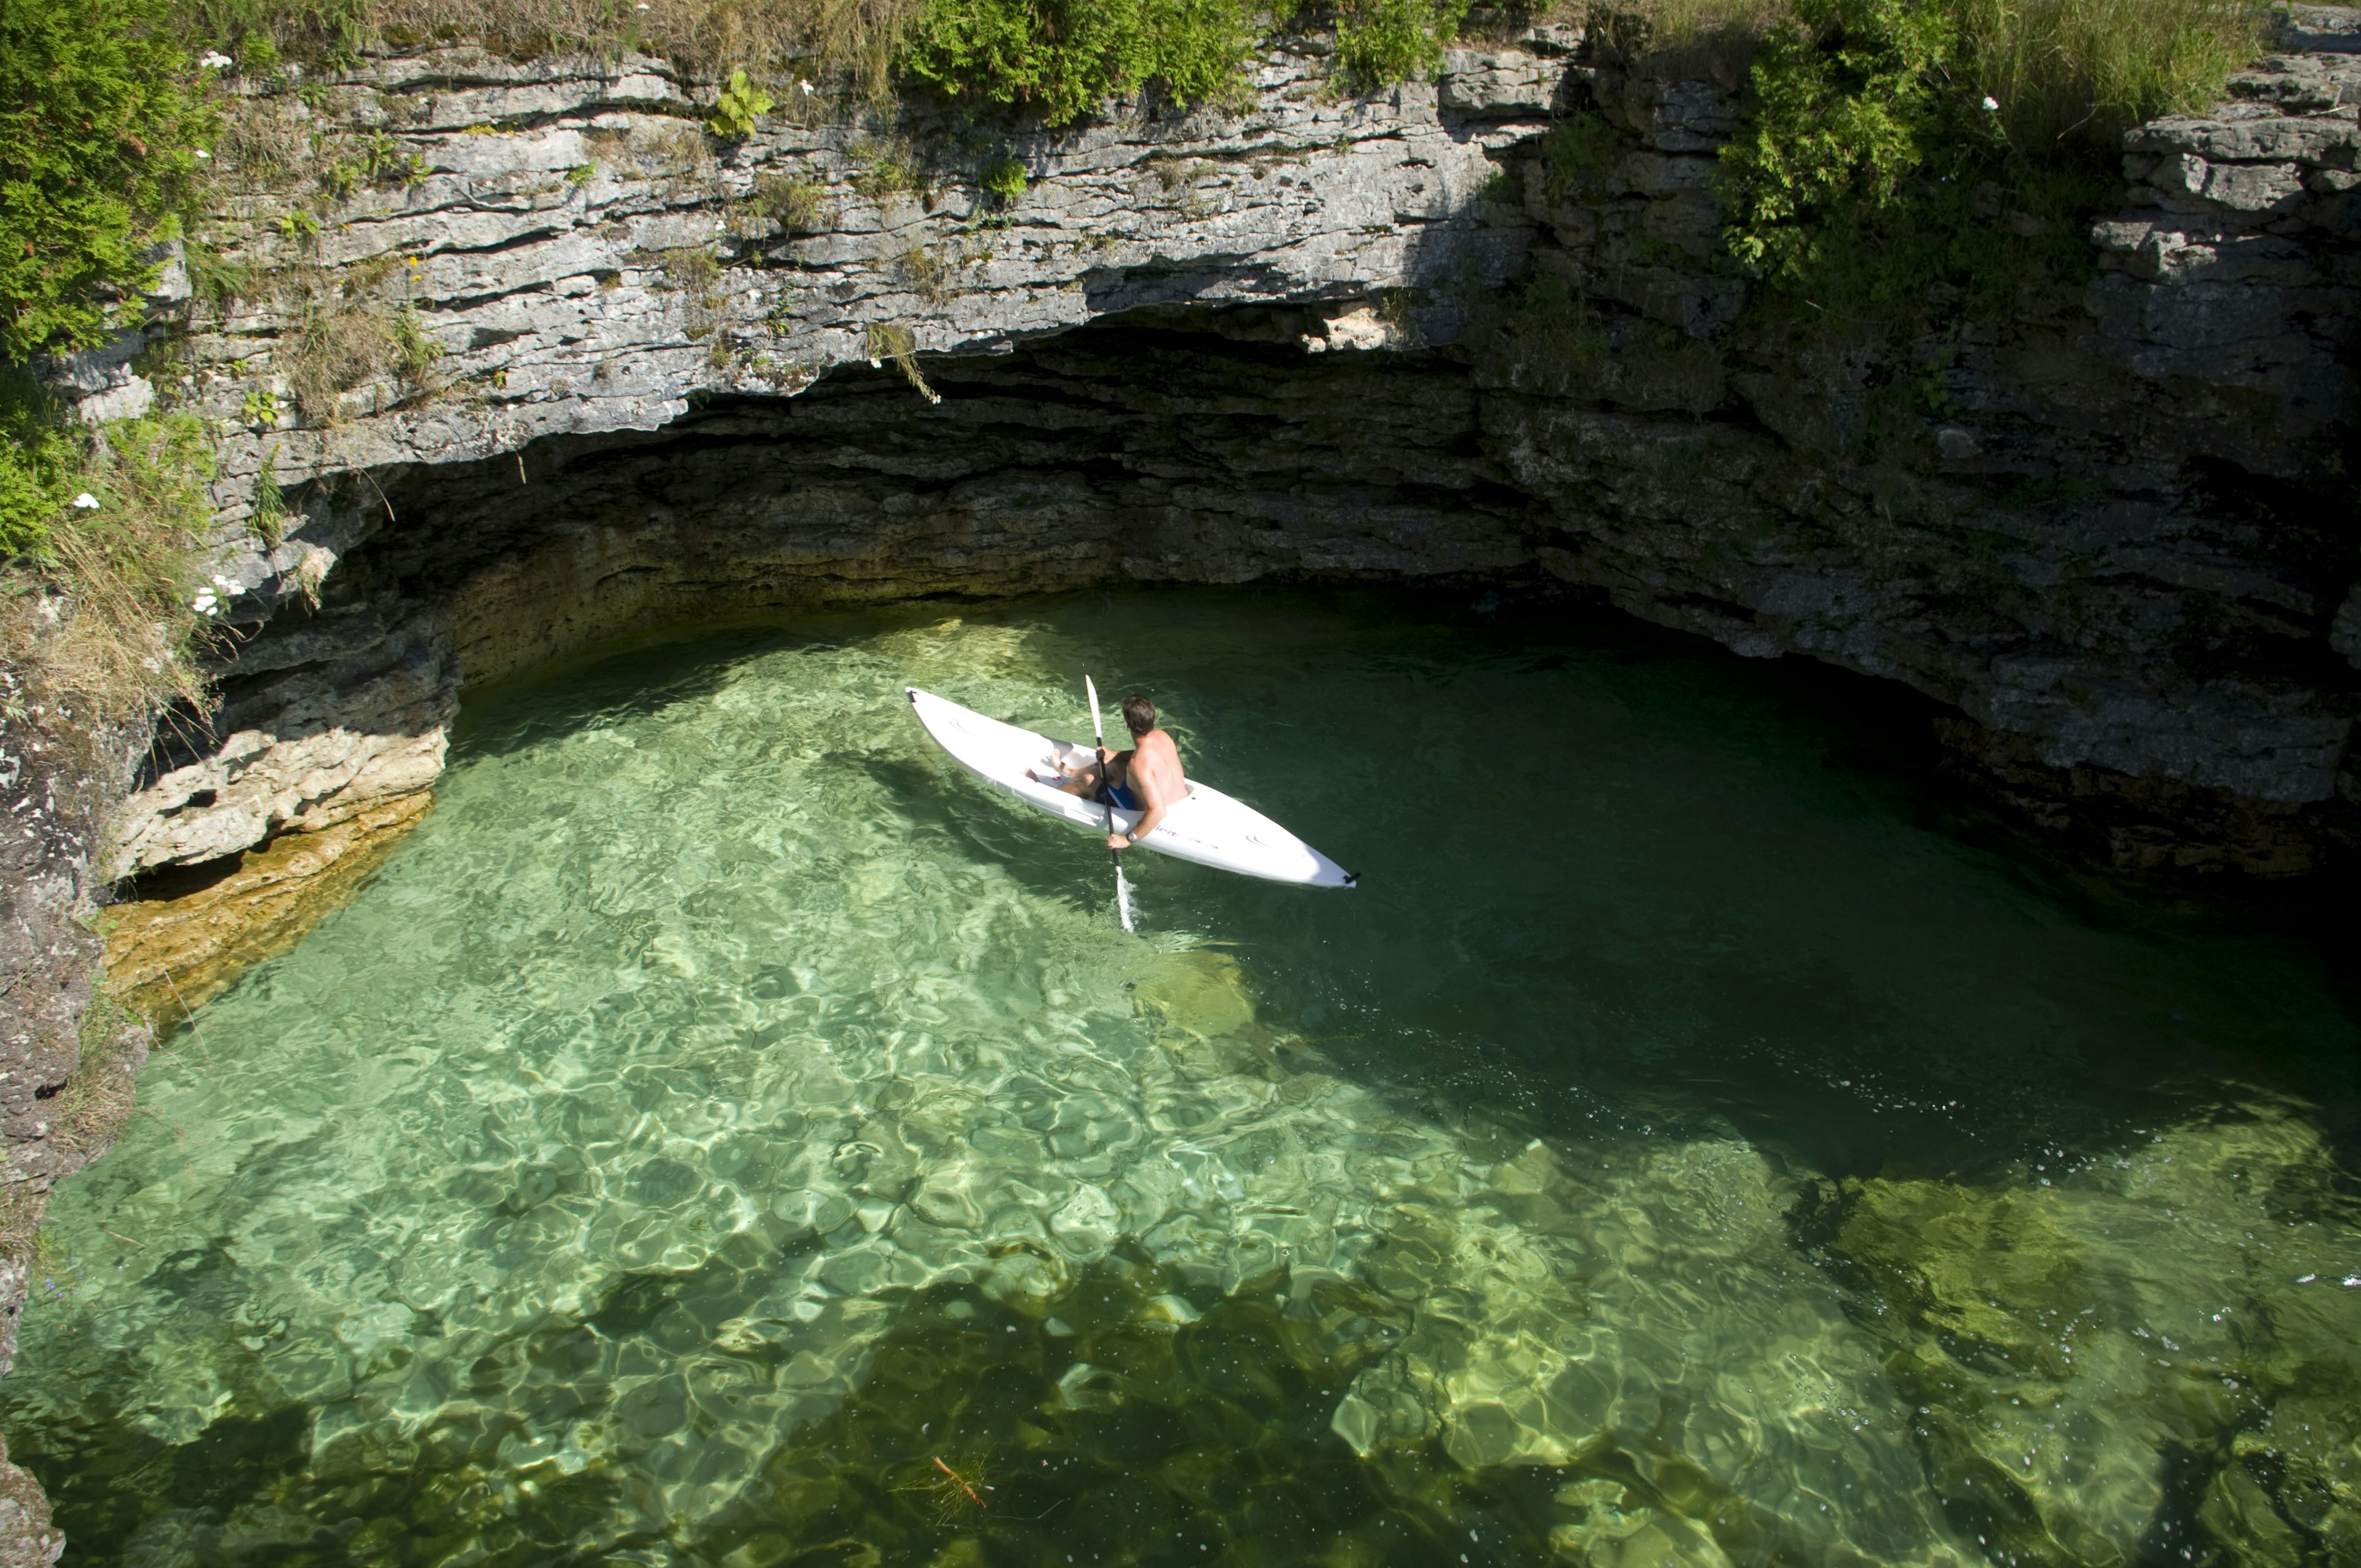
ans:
(1145, 779)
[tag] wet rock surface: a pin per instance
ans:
(172, 951)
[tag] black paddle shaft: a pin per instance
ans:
(1106, 788)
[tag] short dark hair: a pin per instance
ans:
(1138, 714)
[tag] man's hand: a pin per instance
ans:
(1117, 841)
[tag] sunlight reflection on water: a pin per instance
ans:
(722, 1122)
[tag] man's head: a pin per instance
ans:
(1138, 714)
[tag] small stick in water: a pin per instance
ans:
(190, 1015)
(960, 1479)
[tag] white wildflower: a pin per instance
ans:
(875, 363)
(1990, 102)
(86, 502)
(205, 603)
(214, 60)
(804, 88)
(222, 582)
(204, 154)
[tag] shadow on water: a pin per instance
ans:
(1035, 853)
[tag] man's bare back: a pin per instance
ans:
(1145, 779)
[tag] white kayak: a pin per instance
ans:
(1207, 827)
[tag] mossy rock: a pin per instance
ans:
(1992, 1272)
(1199, 991)
(2291, 1489)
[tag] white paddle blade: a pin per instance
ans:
(1089, 687)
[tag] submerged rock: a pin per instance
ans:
(1199, 991)
(2063, 1341)
(1989, 1272)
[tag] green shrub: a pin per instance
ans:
(1898, 148)
(1850, 102)
(1003, 178)
(101, 118)
(1380, 42)
(1060, 58)
(1576, 148)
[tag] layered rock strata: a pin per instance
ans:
(2113, 532)
(585, 261)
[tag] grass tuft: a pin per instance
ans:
(2071, 76)
(793, 202)
(115, 584)
(892, 340)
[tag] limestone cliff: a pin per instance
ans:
(2112, 531)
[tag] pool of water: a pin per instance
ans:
(723, 1133)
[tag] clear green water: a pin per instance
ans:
(723, 1133)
